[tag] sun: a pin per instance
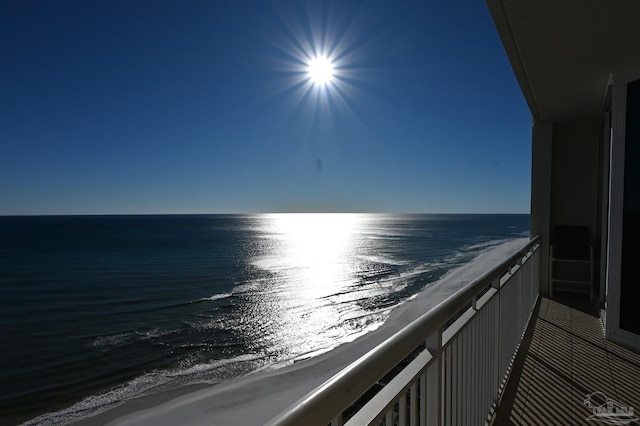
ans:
(320, 70)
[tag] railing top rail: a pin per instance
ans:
(337, 393)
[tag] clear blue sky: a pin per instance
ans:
(119, 106)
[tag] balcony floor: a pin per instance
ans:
(562, 359)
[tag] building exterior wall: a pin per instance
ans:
(564, 182)
(574, 175)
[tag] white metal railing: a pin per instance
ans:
(460, 369)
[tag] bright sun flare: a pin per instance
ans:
(320, 70)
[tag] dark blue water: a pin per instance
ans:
(99, 309)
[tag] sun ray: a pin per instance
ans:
(321, 65)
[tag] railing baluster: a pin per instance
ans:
(464, 377)
(482, 349)
(483, 389)
(434, 379)
(473, 370)
(470, 372)
(454, 382)
(446, 385)
(413, 404)
(423, 399)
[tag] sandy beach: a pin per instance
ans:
(257, 398)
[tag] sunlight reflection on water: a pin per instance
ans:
(314, 265)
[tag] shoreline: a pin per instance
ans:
(259, 397)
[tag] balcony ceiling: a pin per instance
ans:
(563, 51)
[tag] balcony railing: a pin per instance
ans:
(448, 367)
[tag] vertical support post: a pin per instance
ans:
(496, 283)
(337, 420)
(591, 275)
(525, 281)
(536, 270)
(551, 272)
(517, 283)
(434, 390)
(498, 338)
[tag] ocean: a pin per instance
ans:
(96, 310)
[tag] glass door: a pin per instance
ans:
(623, 276)
(630, 274)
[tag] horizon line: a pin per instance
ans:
(260, 213)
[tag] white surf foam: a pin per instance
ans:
(216, 297)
